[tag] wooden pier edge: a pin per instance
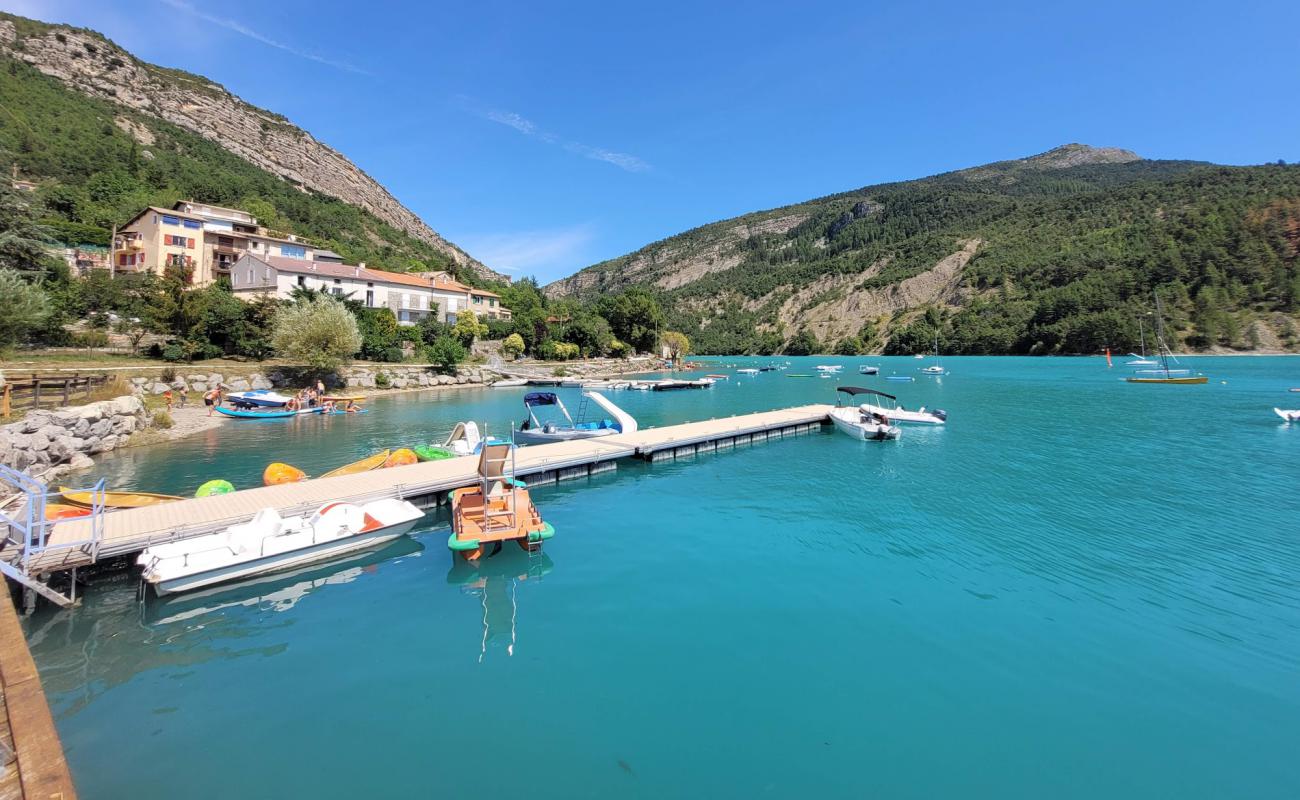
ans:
(42, 769)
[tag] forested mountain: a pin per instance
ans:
(1057, 253)
(104, 134)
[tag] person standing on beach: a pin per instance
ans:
(167, 398)
(320, 387)
(211, 399)
(185, 395)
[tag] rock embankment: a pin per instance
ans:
(70, 436)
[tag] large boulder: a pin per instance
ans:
(127, 405)
(158, 388)
(92, 411)
(399, 383)
(52, 431)
(60, 449)
(65, 419)
(34, 421)
(102, 428)
(39, 443)
(81, 428)
(260, 382)
(81, 461)
(199, 386)
(240, 385)
(216, 378)
(125, 425)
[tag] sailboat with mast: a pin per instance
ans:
(937, 367)
(1142, 360)
(1163, 373)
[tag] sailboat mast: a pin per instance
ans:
(1160, 335)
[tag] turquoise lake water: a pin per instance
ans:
(1079, 588)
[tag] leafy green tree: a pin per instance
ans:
(804, 343)
(320, 333)
(25, 308)
(468, 328)
(635, 316)
(379, 333)
(678, 344)
(21, 239)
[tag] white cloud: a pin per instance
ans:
(531, 251)
(243, 30)
(527, 127)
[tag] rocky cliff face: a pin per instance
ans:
(93, 65)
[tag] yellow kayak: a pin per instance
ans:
(117, 499)
(364, 465)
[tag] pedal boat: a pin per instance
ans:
(270, 543)
(495, 511)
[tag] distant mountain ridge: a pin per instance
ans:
(1057, 252)
(89, 63)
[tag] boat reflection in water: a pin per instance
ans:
(278, 591)
(495, 581)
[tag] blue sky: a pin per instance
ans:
(544, 137)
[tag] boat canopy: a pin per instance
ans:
(540, 399)
(852, 390)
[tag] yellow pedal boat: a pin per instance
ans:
(117, 499)
(364, 465)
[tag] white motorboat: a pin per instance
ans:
(507, 383)
(887, 406)
(862, 425)
(829, 369)
(919, 356)
(866, 369)
(535, 431)
(271, 543)
(747, 371)
(1288, 414)
(258, 397)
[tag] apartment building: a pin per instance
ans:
(459, 297)
(204, 239)
(411, 298)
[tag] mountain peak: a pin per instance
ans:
(1074, 155)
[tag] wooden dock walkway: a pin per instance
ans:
(425, 484)
(32, 764)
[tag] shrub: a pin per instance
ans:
(163, 420)
(468, 328)
(382, 380)
(446, 352)
(513, 345)
(319, 333)
(168, 374)
(25, 307)
(90, 339)
(392, 355)
(620, 349)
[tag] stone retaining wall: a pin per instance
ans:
(70, 435)
(399, 376)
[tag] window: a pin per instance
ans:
(293, 251)
(370, 298)
(338, 291)
(302, 280)
(178, 241)
(492, 302)
(168, 219)
(478, 301)
(189, 223)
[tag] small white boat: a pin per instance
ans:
(829, 369)
(887, 406)
(1288, 414)
(862, 425)
(934, 369)
(865, 369)
(258, 397)
(747, 371)
(271, 543)
(537, 431)
(506, 383)
(919, 356)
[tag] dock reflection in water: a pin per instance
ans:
(495, 580)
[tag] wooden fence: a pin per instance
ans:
(47, 389)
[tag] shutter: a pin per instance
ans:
(190, 245)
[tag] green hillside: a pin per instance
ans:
(93, 173)
(1058, 253)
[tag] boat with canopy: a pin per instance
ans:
(867, 426)
(887, 405)
(536, 431)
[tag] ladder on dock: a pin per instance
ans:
(26, 533)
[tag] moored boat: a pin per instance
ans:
(428, 452)
(116, 499)
(1164, 374)
(507, 383)
(364, 465)
(863, 425)
(277, 473)
(258, 397)
(212, 487)
(747, 371)
(900, 378)
(57, 511)
(269, 413)
(270, 543)
(401, 457)
(533, 430)
(497, 510)
(887, 406)
(1288, 414)
(866, 369)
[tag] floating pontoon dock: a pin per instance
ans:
(80, 542)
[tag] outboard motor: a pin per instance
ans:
(941, 414)
(549, 428)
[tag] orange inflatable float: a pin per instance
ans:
(401, 458)
(278, 473)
